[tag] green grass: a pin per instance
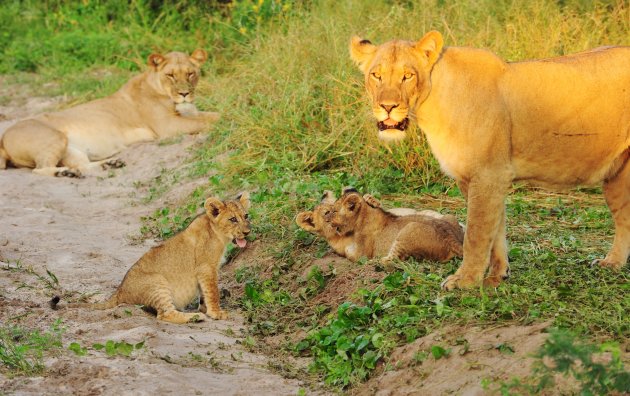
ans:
(296, 121)
(22, 350)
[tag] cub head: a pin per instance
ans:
(347, 211)
(230, 217)
(397, 78)
(177, 74)
(317, 221)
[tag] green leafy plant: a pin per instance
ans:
(22, 350)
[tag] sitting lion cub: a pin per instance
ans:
(154, 105)
(169, 276)
(377, 233)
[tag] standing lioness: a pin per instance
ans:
(153, 105)
(556, 122)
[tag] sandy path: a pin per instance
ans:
(81, 231)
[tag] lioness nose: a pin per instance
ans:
(389, 107)
(184, 94)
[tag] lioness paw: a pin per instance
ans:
(606, 263)
(113, 164)
(69, 173)
(456, 281)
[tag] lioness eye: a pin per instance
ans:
(233, 219)
(191, 75)
(407, 76)
(376, 75)
(170, 75)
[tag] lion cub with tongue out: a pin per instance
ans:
(171, 275)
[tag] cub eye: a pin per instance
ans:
(191, 75)
(170, 75)
(376, 75)
(407, 76)
(246, 216)
(326, 213)
(233, 219)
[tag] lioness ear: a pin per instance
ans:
(353, 202)
(213, 207)
(362, 52)
(244, 200)
(328, 197)
(199, 57)
(431, 46)
(155, 60)
(305, 221)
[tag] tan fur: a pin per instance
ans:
(556, 122)
(154, 105)
(376, 233)
(170, 276)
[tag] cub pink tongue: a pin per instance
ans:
(241, 243)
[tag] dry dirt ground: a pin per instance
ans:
(85, 233)
(82, 231)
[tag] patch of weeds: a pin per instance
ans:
(22, 350)
(111, 348)
(48, 281)
(598, 370)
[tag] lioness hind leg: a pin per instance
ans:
(617, 193)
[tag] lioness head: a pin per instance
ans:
(347, 211)
(230, 217)
(397, 77)
(177, 74)
(318, 221)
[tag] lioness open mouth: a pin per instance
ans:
(401, 126)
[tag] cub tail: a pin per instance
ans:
(111, 303)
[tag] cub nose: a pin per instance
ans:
(389, 107)
(246, 233)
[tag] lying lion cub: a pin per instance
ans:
(376, 233)
(169, 276)
(154, 105)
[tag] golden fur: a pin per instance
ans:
(170, 276)
(376, 233)
(556, 122)
(318, 221)
(153, 105)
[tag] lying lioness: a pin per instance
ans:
(556, 122)
(170, 276)
(154, 105)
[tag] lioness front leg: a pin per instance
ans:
(499, 264)
(209, 283)
(486, 197)
(190, 124)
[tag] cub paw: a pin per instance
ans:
(69, 173)
(113, 164)
(196, 317)
(218, 315)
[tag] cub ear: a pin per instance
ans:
(430, 46)
(155, 60)
(348, 190)
(213, 207)
(305, 221)
(328, 197)
(243, 198)
(353, 202)
(362, 52)
(199, 57)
